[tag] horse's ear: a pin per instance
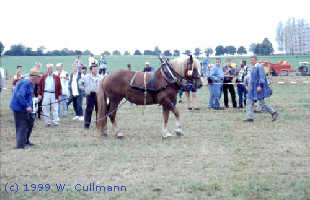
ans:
(191, 59)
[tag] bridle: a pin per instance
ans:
(173, 77)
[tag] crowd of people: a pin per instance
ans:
(56, 90)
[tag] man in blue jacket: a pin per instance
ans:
(215, 81)
(258, 89)
(21, 104)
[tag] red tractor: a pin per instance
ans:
(282, 68)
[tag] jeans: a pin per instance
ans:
(263, 104)
(23, 124)
(62, 105)
(211, 97)
(242, 94)
(217, 93)
(77, 105)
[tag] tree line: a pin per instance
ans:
(264, 48)
(21, 50)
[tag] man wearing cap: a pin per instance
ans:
(21, 105)
(50, 92)
(147, 67)
(64, 80)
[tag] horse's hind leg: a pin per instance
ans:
(178, 130)
(112, 115)
(166, 132)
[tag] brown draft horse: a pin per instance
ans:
(147, 88)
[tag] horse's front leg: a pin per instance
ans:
(166, 132)
(178, 129)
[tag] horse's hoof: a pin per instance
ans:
(178, 132)
(120, 137)
(168, 135)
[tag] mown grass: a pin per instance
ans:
(219, 157)
(120, 62)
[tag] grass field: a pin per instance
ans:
(220, 157)
(117, 62)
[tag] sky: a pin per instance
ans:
(143, 24)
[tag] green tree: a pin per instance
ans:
(219, 50)
(167, 53)
(1, 48)
(252, 47)
(116, 53)
(241, 50)
(157, 51)
(176, 53)
(86, 52)
(106, 53)
(267, 47)
(187, 52)
(208, 51)
(148, 52)
(231, 50)
(137, 53)
(197, 52)
(126, 53)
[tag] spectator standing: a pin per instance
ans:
(216, 77)
(76, 94)
(64, 80)
(102, 65)
(229, 73)
(50, 91)
(90, 84)
(240, 84)
(17, 75)
(147, 67)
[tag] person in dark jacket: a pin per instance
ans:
(76, 94)
(147, 67)
(229, 73)
(21, 104)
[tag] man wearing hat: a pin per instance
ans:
(147, 67)
(21, 104)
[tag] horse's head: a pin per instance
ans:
(189, 69)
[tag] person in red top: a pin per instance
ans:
(49, 91)
(17, 76)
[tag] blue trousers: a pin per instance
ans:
(242, 94)
(211, 97)
(63, 105)
(215, 95)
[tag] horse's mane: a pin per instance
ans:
(180, 64)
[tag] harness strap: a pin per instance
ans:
(144, 91)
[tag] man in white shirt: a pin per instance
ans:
(92, 60)
(64, 80)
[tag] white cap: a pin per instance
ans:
(147, 63)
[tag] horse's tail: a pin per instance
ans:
(102, 108)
